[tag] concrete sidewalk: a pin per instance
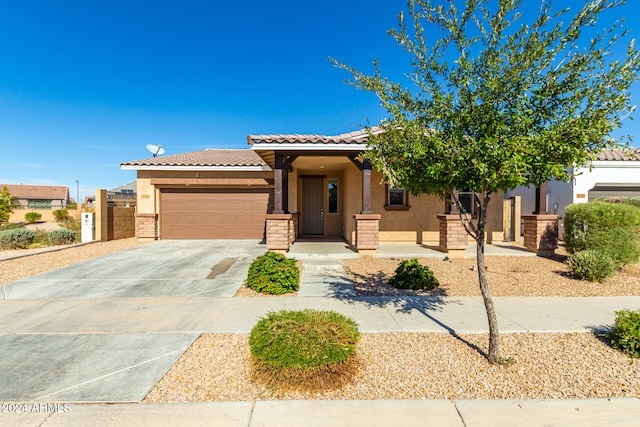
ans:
(337, 413)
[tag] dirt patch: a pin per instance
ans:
(217, 367)
(507, 275)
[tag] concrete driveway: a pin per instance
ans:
(186, 268)
(48, 350)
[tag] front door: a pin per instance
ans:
(313, 205)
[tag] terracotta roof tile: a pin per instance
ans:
(210, 157)
(619, 155)
(37, 192)
(357, 137)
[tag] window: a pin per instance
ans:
(468, 202)
(396, 198)
(39, 204)
(333, 196)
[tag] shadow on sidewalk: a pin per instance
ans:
(380, 298)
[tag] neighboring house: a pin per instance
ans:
(38, 196)
(319, 184)
(614, 173)
(124, 195)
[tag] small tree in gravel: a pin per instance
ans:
(500, 97)
(6, 205)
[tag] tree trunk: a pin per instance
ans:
(494, 337)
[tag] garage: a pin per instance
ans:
(214, 213)
(613, 190)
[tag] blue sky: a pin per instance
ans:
(86, 85)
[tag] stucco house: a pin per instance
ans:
(38, 196)
(284, 187)
(614, 173)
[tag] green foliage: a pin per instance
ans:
(625, 334)
(273, 273)
(410, 274)
(72, 206)
(19, 238)
(6, 205)
(32, 217)
(62, 237)
(306, 349)
(60, 214)
(11, 226)
(591, 265)
(497, 97)
(613, 229)
(41, 239)
(633, 201)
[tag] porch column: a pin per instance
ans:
(277, 186)
(366, 187)
(541, 199)
(453, 236)
(279, 232)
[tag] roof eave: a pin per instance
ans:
(198, 168)
(271, 146)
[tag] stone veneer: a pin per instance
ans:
(541, 233)
(280, 232)
(453, 237)
(367, 233)
(146, 226)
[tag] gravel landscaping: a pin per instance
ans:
(411, 365)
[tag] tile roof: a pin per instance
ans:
(210, 157)
(619, 155)
(357, 137)
(37, 192)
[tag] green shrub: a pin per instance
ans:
(32, 217)
(606, 227)
(11, 226)
(19, 238)
(591, 265)
(305, 349)
(625, 334)
(62, 237)
(60, 214)
(633, 201)
(273, 273)
(410, 274)
(40, 239)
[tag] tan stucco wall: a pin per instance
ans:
(418, 224)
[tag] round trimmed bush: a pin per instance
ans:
(61, 237)
(410, 274)
(273, 273)
(32, 217)
(305, 349)
(17, 238)
(591, 265)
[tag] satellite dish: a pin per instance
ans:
(156, 150)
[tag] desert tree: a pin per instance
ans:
(6, 205)
(497, 96)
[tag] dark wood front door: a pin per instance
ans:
(313, 205)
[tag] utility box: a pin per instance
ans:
(88, 227)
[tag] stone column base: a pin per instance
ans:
(147, 226)
(453, 237)
(367, 233)
(541, 234)
(279, 235)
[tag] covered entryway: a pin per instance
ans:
(214, 213)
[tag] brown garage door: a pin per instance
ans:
(214, 213)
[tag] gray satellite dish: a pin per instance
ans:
(156, 150)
